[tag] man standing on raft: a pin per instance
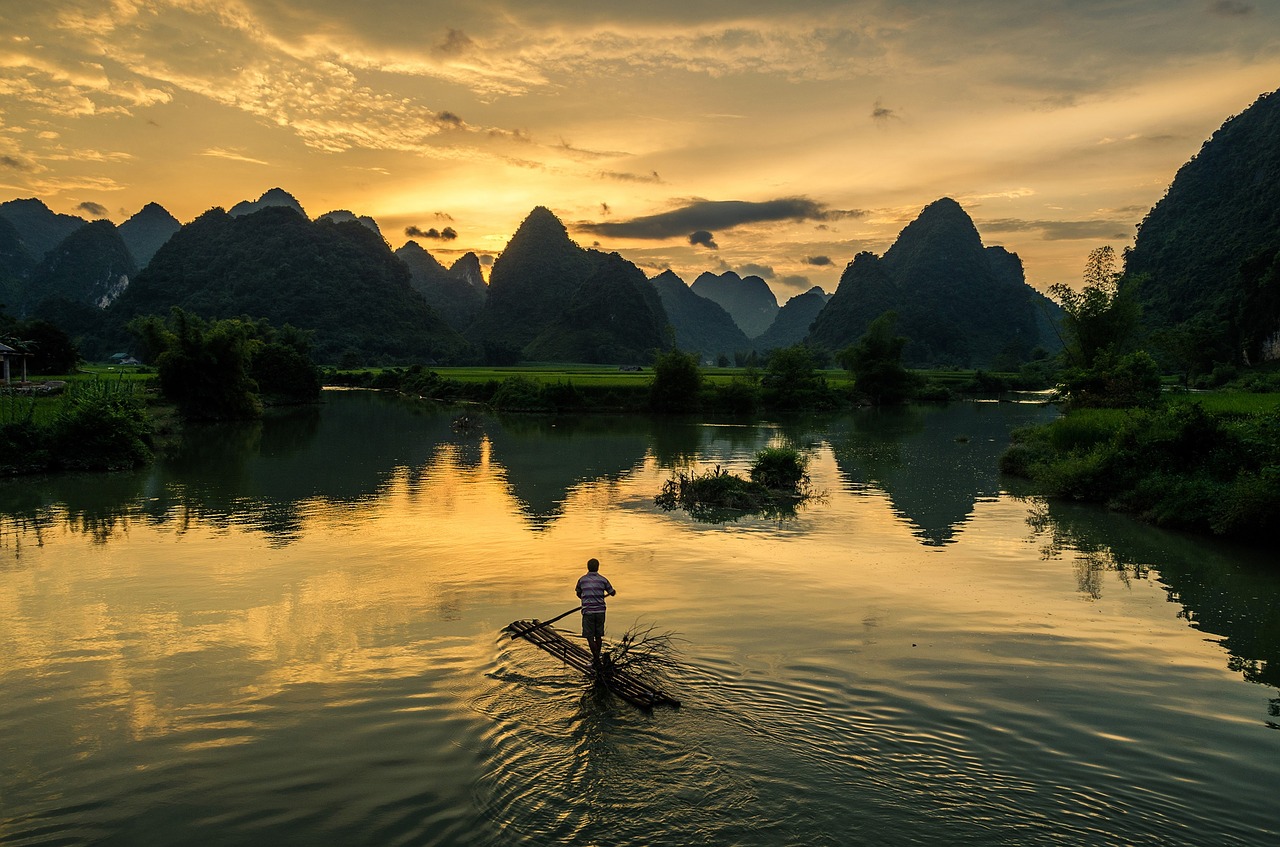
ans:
(592, 587)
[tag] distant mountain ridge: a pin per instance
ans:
(343, 215)
(40, 228)
(791, 325)
(147, 231)
(450, 293)
(699, 324)
(340, 280)
(550, 299)
(749, 300)
(271, 197)
(960, 303)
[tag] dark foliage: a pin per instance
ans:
(16, 264)
(90, 267)
(876, 364)
(281, 365)
(791, 381)
(1257, 315)
(99, 425)
(677, 382)
(613, 317)
(49, 349)
(532, 283)
(1178, 466)
(778, 485)
(203, 366)
(792, 322)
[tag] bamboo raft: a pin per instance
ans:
(626, 685)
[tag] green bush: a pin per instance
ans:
(677, 382)
(1180, 466)
(100, 426)
(739, 396)
(780, 469)
(519, 394)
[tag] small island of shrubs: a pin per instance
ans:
(778, 484)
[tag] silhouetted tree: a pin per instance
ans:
(677, 382)
(204, 366)
(1103, 315)
(876, 364)
(791, 381)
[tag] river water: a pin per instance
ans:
(290, 633)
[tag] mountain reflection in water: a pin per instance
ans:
(288, 632)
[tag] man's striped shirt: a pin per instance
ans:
(592, 588)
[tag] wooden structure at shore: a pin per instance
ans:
(627, 686)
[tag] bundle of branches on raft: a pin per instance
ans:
(643, 653)
(778, 485)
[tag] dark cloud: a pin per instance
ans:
(704, 238)
(450, 119)
(520, 135)
(1231, 8)
(1062, 230)
(13, 163)
(817, 261)
(622, 176)
(797, 281)
(703, 215)
(455, 43)
(444, 216)
(605, 210)
(486, 260)
(446, 234)
(762, 271)
(880, 112)
(95, 209)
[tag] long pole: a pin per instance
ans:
(528, 630)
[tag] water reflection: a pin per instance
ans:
(545, 458)
(935, 463)
(1230, 593)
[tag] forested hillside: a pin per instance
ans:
(339, 279)
(959, 304)
(1202, 253)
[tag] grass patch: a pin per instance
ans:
(1229, 402)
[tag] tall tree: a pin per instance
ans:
(876, 363)
(677, 382)
(1102, 317)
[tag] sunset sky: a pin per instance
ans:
(777, 138)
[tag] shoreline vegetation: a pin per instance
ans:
(1206, 462)
(1207, 466)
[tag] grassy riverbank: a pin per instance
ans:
(91, 425)
(1207, 463)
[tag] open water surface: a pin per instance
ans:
(290, 633)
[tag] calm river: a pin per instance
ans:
(290, 634)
